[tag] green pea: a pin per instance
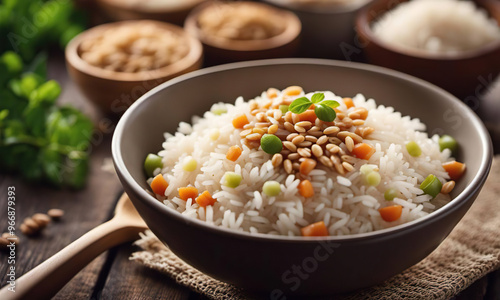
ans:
(190, 164)
(271, 144)
(431, 186)
(151, 163)
(373, 178)
(271, 188)
(448, 142)
(391, 193)
(413, 149)
(232, 179)
(284, 108)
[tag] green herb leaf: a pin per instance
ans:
(325, 113)
(299, 105)
(330, 103)
(317, 97)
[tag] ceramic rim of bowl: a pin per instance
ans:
(473, 187)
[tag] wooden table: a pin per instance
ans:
(111, 275)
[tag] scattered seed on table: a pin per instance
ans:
(55, 213)
(41, 219)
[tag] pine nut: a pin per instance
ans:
(273, 129)
(448, 187)
(349, 143)
(331, 130)
(287, 164)
(298, 139)
(322, 140)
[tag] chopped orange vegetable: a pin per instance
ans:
(348, 102)
(159, 185)
(233, 153)
(308, 115)
(315, 229)
(205, 199)
(391, 213)
(455, 169)
(189, 192)
(307, 165)
(240, 121)
(363, 151)
(306, 189)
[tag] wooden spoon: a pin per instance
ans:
(45, 280)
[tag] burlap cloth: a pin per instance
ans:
(471, 251)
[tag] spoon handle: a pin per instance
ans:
(45, 280)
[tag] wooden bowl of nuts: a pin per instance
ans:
(236, 31)
(114, 64)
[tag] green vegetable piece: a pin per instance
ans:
(373, 178)
(12, 61)
(46, 93)
(271, 144)
(300, 105)
(448, 142)
(413, 149)
(330, 103)
(325, 113)
(190, 164)
(317, 97)
(219, 111)
(151, 163)
(391, 193)
(283, 108)
(232, 179)
(431, 186)
(271, 188)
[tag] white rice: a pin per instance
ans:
(437, 26)
(343, 203)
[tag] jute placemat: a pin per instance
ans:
(471, 251)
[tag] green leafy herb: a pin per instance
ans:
(323, 108)
(39, 140)
(325, 113)
(300, 105)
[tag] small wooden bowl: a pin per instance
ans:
(465, 75)
(114, 92)
(219, 50)
(120, 10)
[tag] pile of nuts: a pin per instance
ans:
(317, 141)
(240, 21)
(36, 223)
(134, 47)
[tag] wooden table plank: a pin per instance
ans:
(131, 280)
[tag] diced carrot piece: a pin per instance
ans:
(308, 115)
(205, 199)
(189, 192)
(159, 185)
(363, 150)
(307, 165)
(348, 102)
(391, 213)
(240, 121)
(233, 153)
(306, 189)
(455, 169)
(315, 229)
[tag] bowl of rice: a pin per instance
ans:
(301, 176)
(453, 44)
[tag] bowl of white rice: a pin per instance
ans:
(301, 176)
(452, 43)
